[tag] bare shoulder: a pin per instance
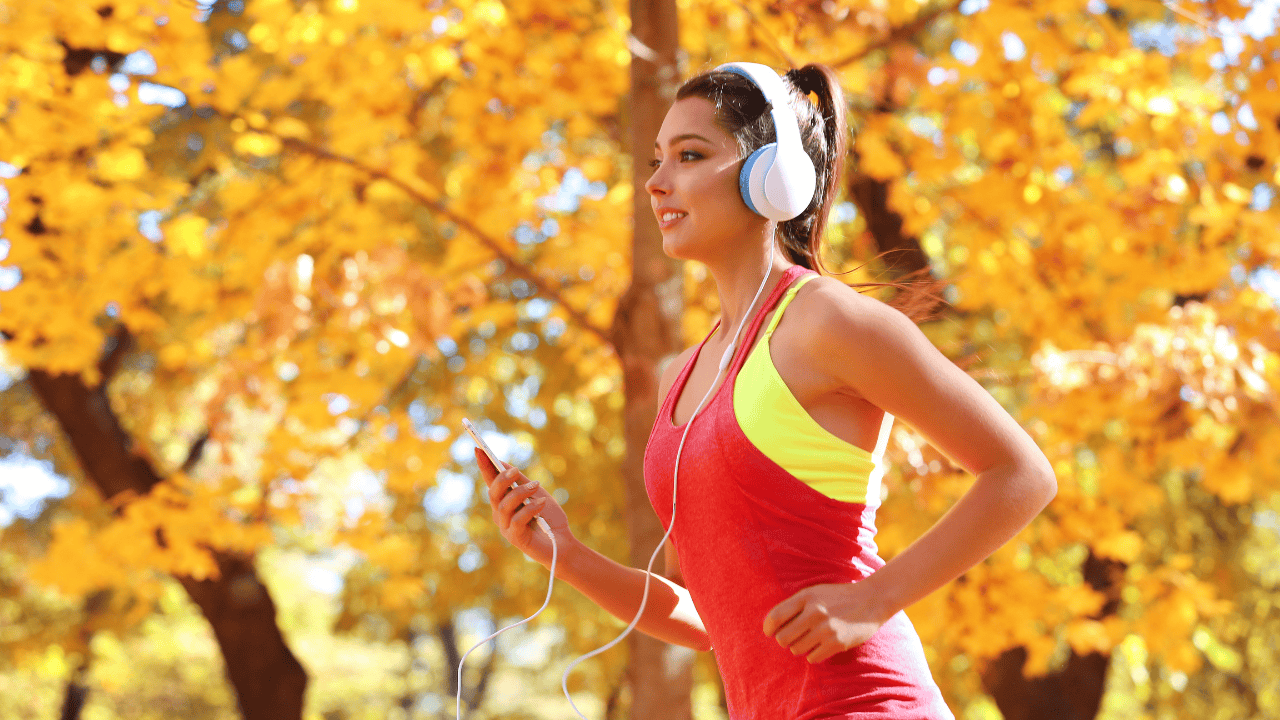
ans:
(838, 315)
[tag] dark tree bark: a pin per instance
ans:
(1073, 692)
(646, 330)
(76, 693)
(472, 699)
(904, 254)
(268, 679)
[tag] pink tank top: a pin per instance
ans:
(749, 535)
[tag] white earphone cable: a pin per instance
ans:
(550, 584)
(725, 361)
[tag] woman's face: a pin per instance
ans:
(694, 187)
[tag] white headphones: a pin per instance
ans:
(778, 180)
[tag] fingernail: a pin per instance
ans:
(533, 484)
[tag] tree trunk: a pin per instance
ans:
(77, 692)
(268, 680)
(646, 330)
(1075, 691)
(471, 700)
(904, 254)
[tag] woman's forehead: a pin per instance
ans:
(692, 116)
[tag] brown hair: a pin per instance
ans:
(743, 112)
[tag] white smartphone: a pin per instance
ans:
(493, 458)
(480, 443)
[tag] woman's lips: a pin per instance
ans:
(668, 224)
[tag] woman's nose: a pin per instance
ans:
(657, 184)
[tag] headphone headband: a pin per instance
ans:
(778, 180)
(785, 123)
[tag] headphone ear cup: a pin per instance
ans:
(790, 184)
(751, 179)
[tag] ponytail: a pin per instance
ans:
(824, 139)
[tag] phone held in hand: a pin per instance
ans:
(493, 457)
(480, 443)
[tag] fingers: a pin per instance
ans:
(794, 630)
(500, 483)
(487, 470)
(527, 513)
(516, 496)
(806, 644)
(507, 501)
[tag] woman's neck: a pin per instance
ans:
(737, 284)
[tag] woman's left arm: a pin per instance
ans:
(864, 344)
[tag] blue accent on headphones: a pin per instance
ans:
(778, 180)
(744, 176)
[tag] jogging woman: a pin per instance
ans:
(767, 446)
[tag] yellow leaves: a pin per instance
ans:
(1080, 600)
(436, 61)
(185, 236)
(1235, 193)
(876, 158)
(1124, 546)
(1162, 105)
(121, 163)
(171, 529)
(257, 144)
(394, 553)
(489, 12)
(1089, 636)
(290, 127)
(71, 564)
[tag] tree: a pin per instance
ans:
(270, 305)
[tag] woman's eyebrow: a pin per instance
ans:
(686, 136)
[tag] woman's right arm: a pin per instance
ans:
(669, 613)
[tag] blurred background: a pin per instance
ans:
(260, 257)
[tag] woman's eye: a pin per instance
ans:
(684, 155)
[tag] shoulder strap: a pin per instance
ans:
(786, 300)
(793, 272)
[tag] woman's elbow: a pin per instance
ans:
(1047, 483)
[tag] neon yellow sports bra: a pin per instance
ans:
(776, 423)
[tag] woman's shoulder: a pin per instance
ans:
(833, 310)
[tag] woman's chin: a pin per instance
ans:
(674, 246)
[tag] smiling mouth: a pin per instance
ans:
(668, 219)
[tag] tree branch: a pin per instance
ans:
(899, 34)
(485, 239)
(768, 36)
(118, 344)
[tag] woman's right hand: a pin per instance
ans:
(515, 519)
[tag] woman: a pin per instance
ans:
(772, 560)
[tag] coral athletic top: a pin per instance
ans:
(757, 520)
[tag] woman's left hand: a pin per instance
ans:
(822, 620)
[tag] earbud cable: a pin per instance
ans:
(725, 361)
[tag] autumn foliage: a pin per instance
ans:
(356, 222)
